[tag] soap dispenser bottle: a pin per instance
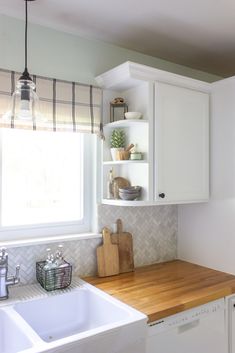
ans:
(59, 256)
(59, 261)
(50, 264)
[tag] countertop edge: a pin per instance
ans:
(195, 298)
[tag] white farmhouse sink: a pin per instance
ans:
(84, 320)
(12, 337)
(65, 315)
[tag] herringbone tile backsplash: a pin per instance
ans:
(154, 230)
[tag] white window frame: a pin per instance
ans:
(61, 230)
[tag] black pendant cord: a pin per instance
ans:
(25, 75)
(26, 36)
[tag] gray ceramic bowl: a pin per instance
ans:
(130, 193)
(129, 196)
(130, 190)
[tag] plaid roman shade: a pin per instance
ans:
(66, 106)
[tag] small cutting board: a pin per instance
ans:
(107, 256)
(125, 248)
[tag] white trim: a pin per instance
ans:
(128, 161)
(130, 74)
(151, 142)
(99, 176)
(48, 240)
(140, 203)
(89, 188)
(0, 177)
(125, 123)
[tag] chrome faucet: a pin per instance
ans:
(4, 280)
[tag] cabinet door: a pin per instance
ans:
(181, 144)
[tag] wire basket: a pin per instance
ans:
(55, 278)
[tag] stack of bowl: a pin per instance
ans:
(130, 193)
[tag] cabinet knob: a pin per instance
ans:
(162, 195)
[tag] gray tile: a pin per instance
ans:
(154, 231)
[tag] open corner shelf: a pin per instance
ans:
(125, 203)
(142, 161)
(135, 171)
(125, 123)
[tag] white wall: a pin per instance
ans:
(206, 233)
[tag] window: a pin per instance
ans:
(45, 184)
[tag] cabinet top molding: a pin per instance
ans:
(130, 74)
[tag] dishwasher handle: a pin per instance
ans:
(189, 326)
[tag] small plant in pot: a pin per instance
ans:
(117, 142)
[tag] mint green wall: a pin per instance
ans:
(60, 55)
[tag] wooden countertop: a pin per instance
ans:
(168, 288)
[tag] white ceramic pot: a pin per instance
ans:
(114, 152)
(133, 115)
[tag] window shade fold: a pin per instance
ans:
(64, 106)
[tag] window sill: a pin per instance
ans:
(48, 240)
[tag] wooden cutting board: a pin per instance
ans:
(107, 256)
(125, 248)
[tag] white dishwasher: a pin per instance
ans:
(199, 330)
(231, 323)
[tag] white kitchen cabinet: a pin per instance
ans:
(174, 134)
(181, 144)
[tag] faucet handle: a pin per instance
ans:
(15, 279)
(3, 253)
(17, 275)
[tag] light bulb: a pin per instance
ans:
(24, 109)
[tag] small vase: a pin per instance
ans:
(114, 152)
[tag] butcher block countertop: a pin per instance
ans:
(168, 288)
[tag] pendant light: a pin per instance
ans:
(24, 108)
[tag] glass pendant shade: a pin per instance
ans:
(24, 107)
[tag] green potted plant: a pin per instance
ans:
(117, 142)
